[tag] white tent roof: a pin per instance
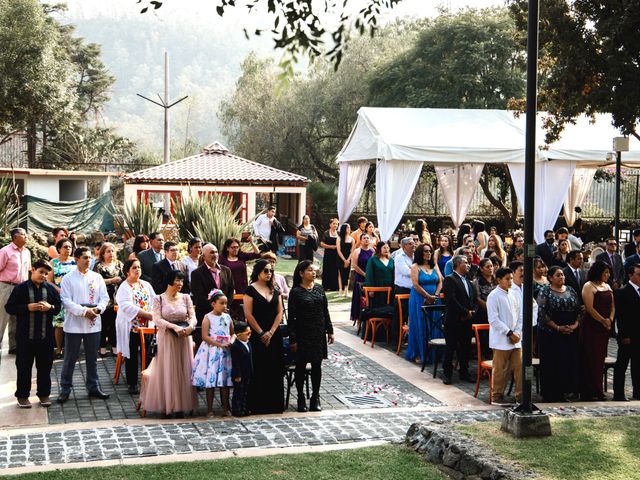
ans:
(441, 136)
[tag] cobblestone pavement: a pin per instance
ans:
(346, 372)
(483, 391)
(132, 441)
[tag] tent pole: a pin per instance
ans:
(616, 227)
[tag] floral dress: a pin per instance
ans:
(60, 269)
(212, 365)
(141, 298)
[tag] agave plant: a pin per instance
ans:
(137, 218)
(213, 219)
(9, 207)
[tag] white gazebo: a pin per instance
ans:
(252, 186)
(459, 142)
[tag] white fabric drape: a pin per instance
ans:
(353, 176)
(458, 186)
(577, 193)
(552, 183)
(395, 182)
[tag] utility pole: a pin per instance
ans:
(164, 103)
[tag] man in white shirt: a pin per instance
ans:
(84, 297)
(262, 228)
(505, 318)
(403, 262)
(517, 267)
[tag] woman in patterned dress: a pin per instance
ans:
(110, 268)
(61, 265)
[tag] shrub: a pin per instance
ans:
(38, 251)
(137, 218)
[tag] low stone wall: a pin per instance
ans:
(457, 455)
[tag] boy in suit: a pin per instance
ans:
(242, 369)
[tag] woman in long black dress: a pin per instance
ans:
(263, 312)
(310, 330)
(330, 259)
(344, 243)
(558, 323)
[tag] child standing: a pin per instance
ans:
(242, 369)
(212, 363)
(34, 303)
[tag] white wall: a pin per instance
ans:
(42, 187)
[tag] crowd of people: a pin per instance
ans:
(210, 325)
(479, 278)
(206, 324)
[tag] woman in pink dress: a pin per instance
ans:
(166, 384)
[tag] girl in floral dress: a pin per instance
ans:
(61, 265)
(212, 363)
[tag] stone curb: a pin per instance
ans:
(458, 456)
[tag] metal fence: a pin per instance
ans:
(427, 199)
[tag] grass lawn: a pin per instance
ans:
(388, 462)
(585, 449)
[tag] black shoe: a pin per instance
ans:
(97, 393)
(302, 405)
(620, 399)
(314, 404)
(133, 389)
(63, 397)
(12, 351)
(446, 380)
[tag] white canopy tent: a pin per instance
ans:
(459, 143)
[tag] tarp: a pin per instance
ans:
(80, 216)
(393, 138)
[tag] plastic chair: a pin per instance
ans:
(375, 322)
(143, 351)
(484, 366)
(404, 328)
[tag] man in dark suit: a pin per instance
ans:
(573, 275)
(152, 255)
(459, 296)
(546, 249)
(628, 323)
(631, 247)
(632, 259)
(163, 268)
(614, 260)
(205, 278)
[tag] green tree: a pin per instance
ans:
(299, 123)
(469, 59)
(588, 61)
(36, 76)
(298, 24)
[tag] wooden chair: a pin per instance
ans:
(609, 362)
(375, 322)
(404, 328)
(143, 353)
(484, 366)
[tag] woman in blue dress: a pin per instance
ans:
(444, 253)
(359, 258)
(427, 283)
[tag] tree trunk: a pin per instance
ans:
(510, 217)
(32, 142)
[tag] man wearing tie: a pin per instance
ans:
(573, 275)
(151, 255)
(628, 324)
(614, 260)
(163, 268)
(205, 278)
(459, 296)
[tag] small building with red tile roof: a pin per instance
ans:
(251, 185)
